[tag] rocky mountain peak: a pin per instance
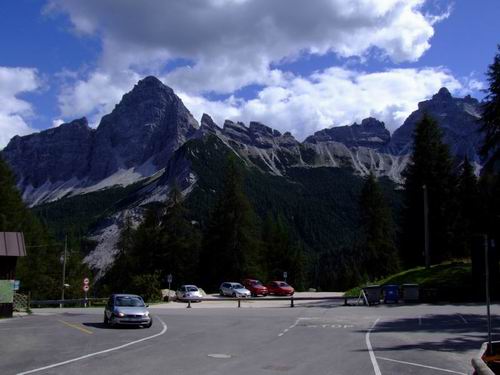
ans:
(443, 94)
(370, 133)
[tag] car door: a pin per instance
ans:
(226, 289)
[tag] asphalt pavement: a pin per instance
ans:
(313, 338)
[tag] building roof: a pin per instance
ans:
(12, 244)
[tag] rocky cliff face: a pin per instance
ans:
(457, 117)
(134, 141)
(370, 133)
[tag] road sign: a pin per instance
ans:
(86, 281)
(285, 275)
(85, 288)
(169, 278)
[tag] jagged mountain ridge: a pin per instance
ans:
(138, 138)
(151, 139)
(134, 141)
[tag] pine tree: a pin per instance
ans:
(491, 116)
(430, 165)
(180, 239)
(231, 245)
(380, 256)
(281, 253)
(469, 209)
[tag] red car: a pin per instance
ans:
(280, 288)
(255, 287)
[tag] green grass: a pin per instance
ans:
(449, 281)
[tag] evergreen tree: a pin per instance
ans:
(380, 256)
(430, 165)
(231, 245)
(491, 116)
(469, 206)
(180, 239)
(282, 254)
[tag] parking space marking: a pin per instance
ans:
(88, 331)
(370, 349)
(420, 365)
(97, 353)
(292, 326)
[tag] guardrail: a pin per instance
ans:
(60, 302)
(292, 299)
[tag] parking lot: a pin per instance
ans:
(315, 337)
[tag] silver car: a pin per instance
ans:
(127, 309)
(234, 290)
(188, 293)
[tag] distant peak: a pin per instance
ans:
(443, 93)
(372, 122)
(150, 80)
(206, 120)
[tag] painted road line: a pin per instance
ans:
(97, 353)
(292, 326)
(370, 349)
(420, 365)
(75, 326)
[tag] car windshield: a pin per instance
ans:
(129, 302)
(283, 284)
(192, 289)
(237, 286)
(256, 282)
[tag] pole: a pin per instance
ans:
(487, 289)
(64, 269)
(426, 229)
(168, 294)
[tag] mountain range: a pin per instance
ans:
(150, 141)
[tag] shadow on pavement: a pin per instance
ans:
(465, 332)
(101, 325)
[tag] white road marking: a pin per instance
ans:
(463, 319)
(292, 326)
(219, 355)
(419, 365)
(370, 349)
(97, 353)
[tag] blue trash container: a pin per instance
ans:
(391, 293)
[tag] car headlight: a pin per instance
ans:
(120, 314)
(146, 313)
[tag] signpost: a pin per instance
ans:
(285, 275)
(16, 285)
(169, 281)
(86, 288)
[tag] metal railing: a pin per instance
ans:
(292, 299)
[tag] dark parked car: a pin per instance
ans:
(127, 309)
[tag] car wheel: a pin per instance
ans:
(254, 294)
(234, 294)
(149, 324)
(221, 293)
(106, 321)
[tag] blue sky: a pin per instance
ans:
(288, 64)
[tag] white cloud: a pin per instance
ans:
(231, 44)
(14, 111)
(336, 96)
(95, 95)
